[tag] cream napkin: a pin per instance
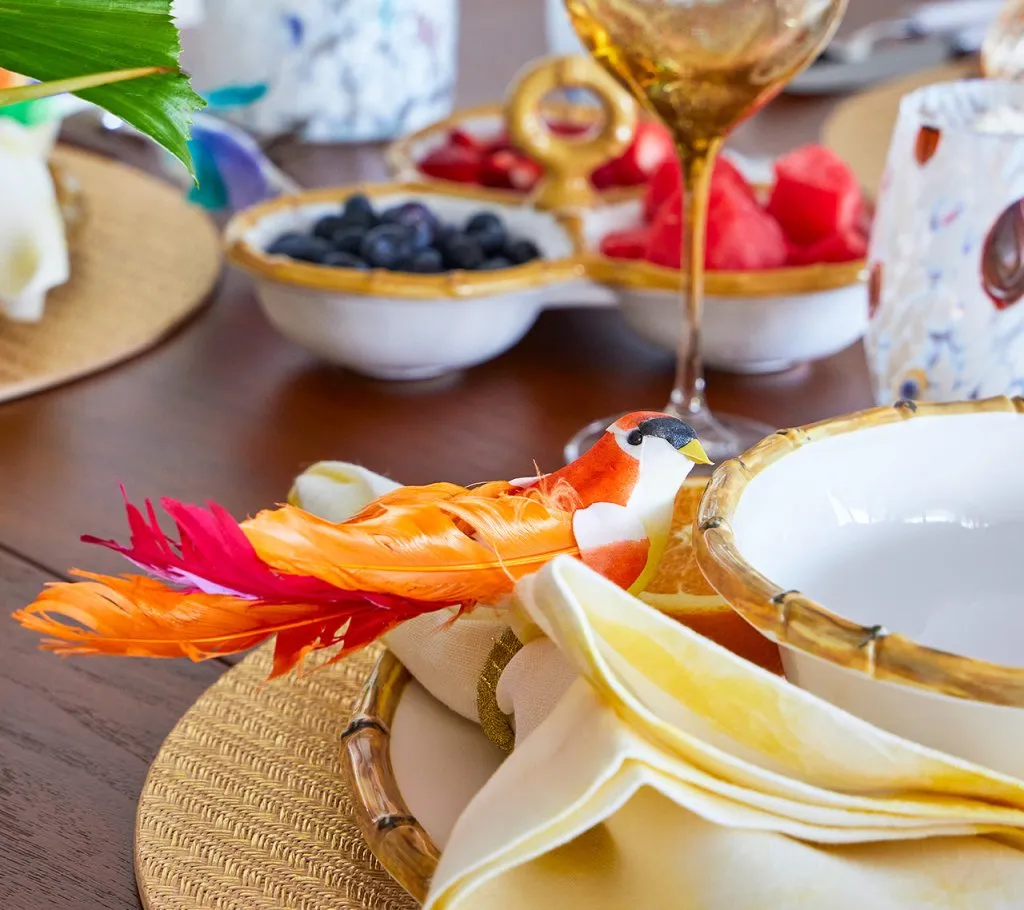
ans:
(33, 245)
(675, 774)
(654, 768)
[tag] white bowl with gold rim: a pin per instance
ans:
(754, 322)
(881, 550)
(397, 325)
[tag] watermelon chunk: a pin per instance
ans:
(815, 196)
(741, 236)
(651, 147)
(846, 247)
(665, 183)
(631, 244)
(665, 243)
(668, 180)
(725, 170)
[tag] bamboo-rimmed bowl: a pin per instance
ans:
(881, 550)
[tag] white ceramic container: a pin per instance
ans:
(391, 325)
(754, 322)
(881, 550)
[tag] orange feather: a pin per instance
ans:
(437, 542)
(138, 616)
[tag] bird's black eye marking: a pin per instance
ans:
(635, 438)
(668, 428)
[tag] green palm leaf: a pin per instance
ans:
(78, 44)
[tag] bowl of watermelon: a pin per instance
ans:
(785, 261)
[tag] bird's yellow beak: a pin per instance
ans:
(695, 452)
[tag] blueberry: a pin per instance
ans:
(424, 262)
(462, 252)
(521, 251)
(495, 262)
(345, 261)
(327, 226)
(348, 240)
(423, 222)
(488, 231)
(445, 233)
(358, 212)
(386, 245)
(301, 247)
(483, 221)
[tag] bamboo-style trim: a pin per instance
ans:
(399, 842)
(794, 620)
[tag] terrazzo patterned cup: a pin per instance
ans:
(946, 259)
(326, 70)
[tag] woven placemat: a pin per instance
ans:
(141, 262)
(246, 808)
(860, 128)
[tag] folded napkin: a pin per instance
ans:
(33, 245)
(673, 773)
(654, 768)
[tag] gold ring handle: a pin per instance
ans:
(567, 161)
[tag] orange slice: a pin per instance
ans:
(680, 590)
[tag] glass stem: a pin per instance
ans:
(687, 398)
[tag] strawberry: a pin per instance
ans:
(499, 143)
(631, 244)
(453, 162)
(605, 176)
(510, 170)
(815, 196)
(464, 139)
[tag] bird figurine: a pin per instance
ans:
(224, 586)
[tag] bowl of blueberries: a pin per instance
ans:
(403, 280)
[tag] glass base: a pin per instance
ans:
(723, 436)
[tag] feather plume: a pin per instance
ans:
(211, 595)
(433, 542)
(135, 616)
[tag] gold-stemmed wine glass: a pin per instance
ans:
(702, 67)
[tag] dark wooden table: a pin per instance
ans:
(228, 409)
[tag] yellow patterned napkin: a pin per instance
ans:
(674, 774)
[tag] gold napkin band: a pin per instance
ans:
(496, 724)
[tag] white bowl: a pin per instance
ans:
(754, 322)
(882, 552)
(392, 325)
